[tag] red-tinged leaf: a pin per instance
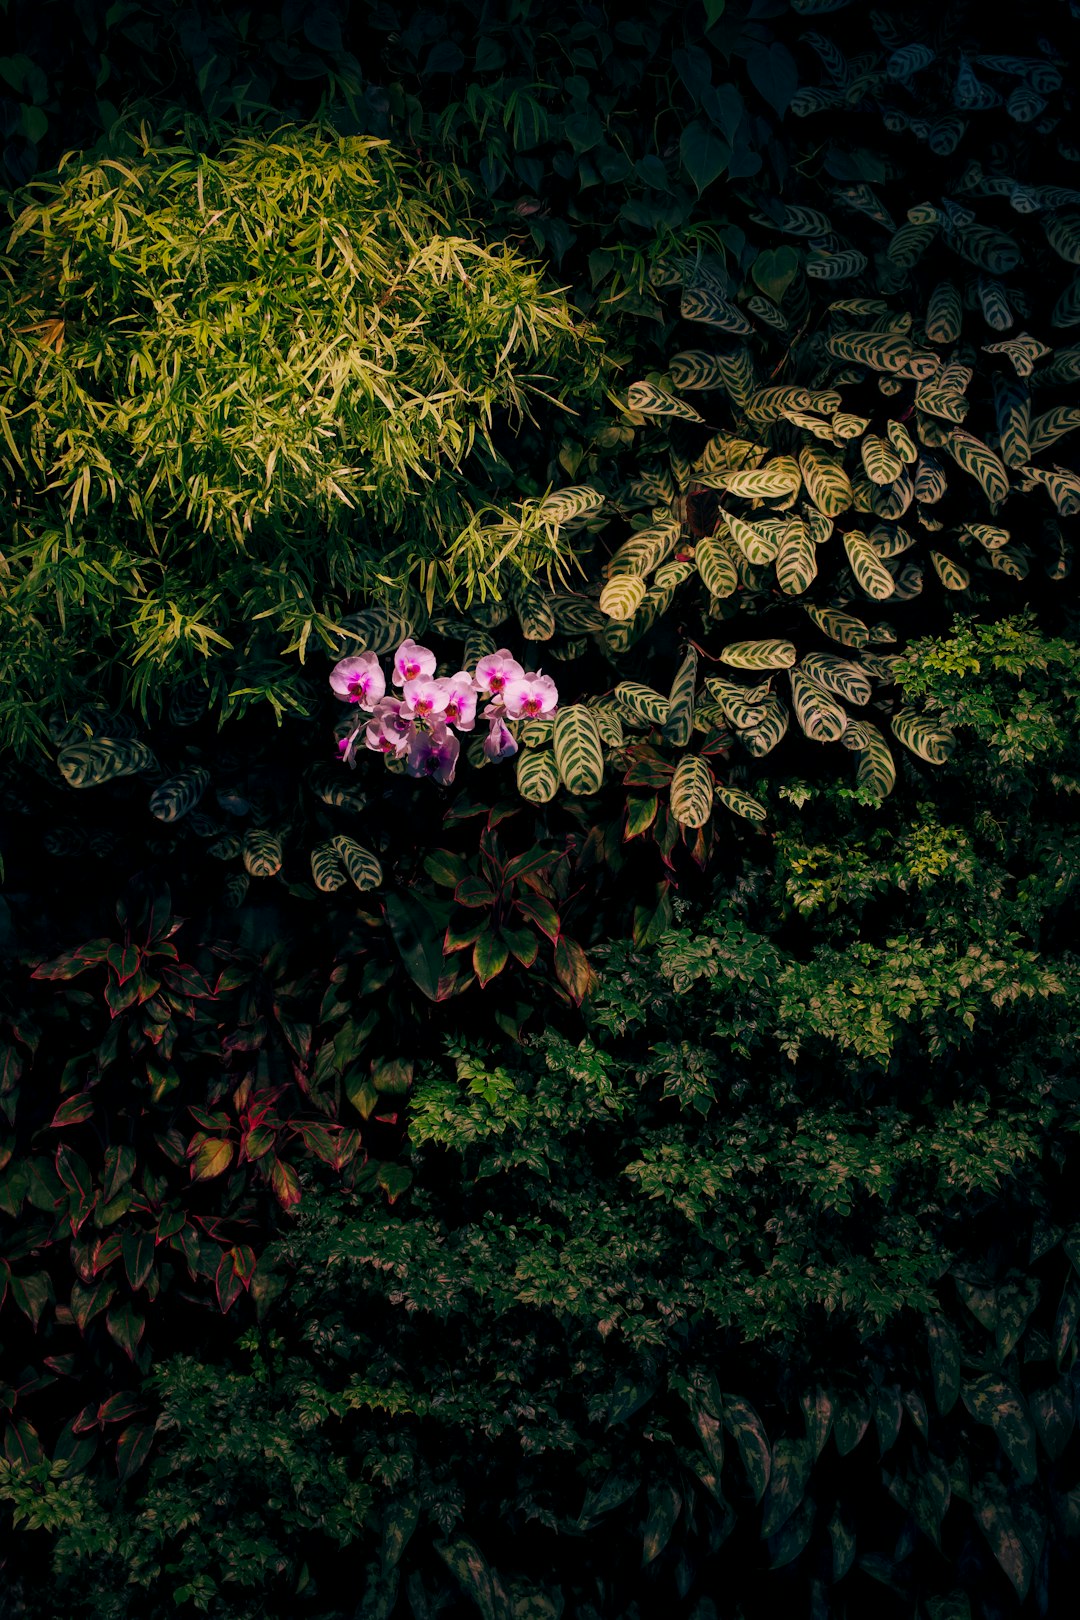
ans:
(393, 1179)
(298, 1036)
(459, 939)
(68, 966)
(5, 1278)
(349, 1144)
(531, 864)
(502, 812)
(259, 1140)
(73, 1112)
(490, 956)
(11, 1067)
(320, 1140)
(146, 986)
(244, 1262)
(77, 1451)
(118, 1408)
(210, 1156)
(74, 1172)
(523, 945)
(648, 769)
(387, 1119)
(541, 913)
(285, 1184)
(473, 891)
(86, 1302)
(64, 1366)
(214, 1123)
(87, 1419)
(21, 1443)
(126, 1326)
(227, 1284)
(132, 1449)
(124, 961)
(171, 1222)
(119, 997)
(138, 1251)
(640, 814)
(572, 969)
(105, 1251)
(445, 868)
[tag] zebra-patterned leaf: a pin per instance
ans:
(868, 567)
(882, 464)
(648, 400)
(908, 244)
(103, 759)
(1012, 562)
(827, 484)
(767, 311)
(778, 478)
(836, 264)
(892, 500)
(1063, 234)
(642, 702)
(1024, 104)
(1012, 407)
(737, 375)
(578, 750)
(909, 59)
(987, 248)
(622, 596)
(813, 424)
(378, 629)
(535, 612)
(822, 719)
(716, 566)
(362, 866)
(952, 574)
(608, 723)
(695, 369)
(534, 732)
(1023, 351)
(994, 304)
(817, 525)
(226, 848)
(692, 792)
(763, 737)
(705, 304)
(873, 349)
(570, 504)
(537, 775)
(575, 616)
(901, 441)
(930, 480)
(875, 768)
(796, 560)
(837, 675)
(846, 426)
(759, 654)
(679, 724)
(262, 853)
(927, 738)
(1062, 486)
(235, 889)
(740, 803)
(188, 702)
(175, 797)
(838, 626)
(477, 645)
(644, 550)
(673, 573)
(944, 314)
(768, 404)
(1051, 426)
(726, 453)
(980, 461)
(950, 407)
(758, 546)
(989, 535)
(326, 870)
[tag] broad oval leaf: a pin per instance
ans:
(537, 775)
(175, 797)
(622, 596)
(362, 866)
(930, 740)
(578, 750)
(822, 719)
(103, 759)
(692, 792)
(262, 853)
(759, 654)
(740, 803)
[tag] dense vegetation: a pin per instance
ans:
(631, 1172)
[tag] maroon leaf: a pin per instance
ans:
(244, 1262)
(119, 1407)
(540, 912)
(72, 963)
(227, 1284)
(124, 961)
(74, 1111)
(285, 1184)
(259, 1140)
(473, 891)
(132, 1449)
(138, 1251)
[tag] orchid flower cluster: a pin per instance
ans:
(420, 723)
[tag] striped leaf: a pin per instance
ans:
(767, 404)
(908, 244)
(778, 478)
(726, 453)
(1063, 234)
(926, 738)
(837, 675)
(377, 629)
(816, 425)
(326, 870)
(692, 792)
(737, 375)
(846, 426)
(570, 505)
(740, 803)
(989, 535)
(817, 525)
(875, 768)
(868, 567)
(704, 304)
(952, 574)
(262, 853)
(103, 759)
(477, 645)
(757, 545)
(838, 626)
(622, 596)
(759, 654)
(695, 369)
(716, 566)
(796, 560)
(742, 706)
(892, 500)
(226, 848)
(1023, 351)
(822, 719)
(880, 460)
(890, 542)
(994, 304)
(873, 349)
(533, 733)
(827, 484)
(930, 480)
(175, 797)
(644, 550)
(763, 737)
(1012, 407)
(1053, 425)
(648, 400)
(1012, 562)
(188, 702)
(578, 750)
(673, 573)
(951, 407)
(608, 722)
(493, 610)
(575, 616)
(535, 612)
(537, 775)
(362, 866)
(235, 889)
(679, 724)
(836, 264)
(765, 310)
(642, 702)
(901, 441)
(857, 736)
(980, 461)
(944, 314)
(987, 248)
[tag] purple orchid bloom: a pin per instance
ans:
(530, 695)
(359, 680)
(499, 742)
(412, 660)
(494, 671)
(389, 730)
(434, 753)
(424, 698)
(459, 709)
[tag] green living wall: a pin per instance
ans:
(618, 1159)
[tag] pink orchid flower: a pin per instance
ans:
(530, 695)
(359, 680)
(460, 707)
(499, 742)
(494, 670)
(434, 753)
(389, 730)
(424, 698)
(412, 660)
